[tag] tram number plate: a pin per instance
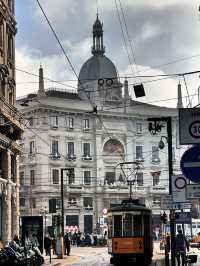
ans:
(128, 245)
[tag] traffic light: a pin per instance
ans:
(58, 220)
(163, 218)
(54, 220)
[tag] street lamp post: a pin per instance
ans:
(44, 213)
(155, 126)
(62, 210)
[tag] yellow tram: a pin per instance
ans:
(130, 233)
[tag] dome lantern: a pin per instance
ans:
(98, 47)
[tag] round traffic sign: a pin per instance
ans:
(180, 182)
(194, 129)
(190, 164)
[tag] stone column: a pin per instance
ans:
(15, 206)
(6, 217)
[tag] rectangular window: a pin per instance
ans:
(72, 220)
(87, 178)
(55, 176)
(70, 148)
(86, 149)
(70, 122)
(32, 147)
(22, 202)
(54, 147)
(155, 154)
(139, 177)
(138, 128)
(139, 152)
(156, 178)
(71, 176)
(86, 124)
(33, 203)
(21, 178)
(32, 177)
(87, 202)
(54, 205)
(110, 178)
(54, 121)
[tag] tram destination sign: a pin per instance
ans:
(189, 126)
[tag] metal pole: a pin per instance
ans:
(170, 163)
(45, 222)
(62, 203)
(62, 212)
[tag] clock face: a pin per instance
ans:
(180, 182)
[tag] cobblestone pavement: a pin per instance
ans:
(92, 256)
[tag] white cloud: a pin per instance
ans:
(54, 68)
(149, 30)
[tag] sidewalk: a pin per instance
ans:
(68, 260)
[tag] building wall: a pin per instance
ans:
(11, 125)
(118, 127)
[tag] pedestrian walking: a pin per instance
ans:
(47, 245)
(181, 244)
(67, 244)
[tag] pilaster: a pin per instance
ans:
(6, 219)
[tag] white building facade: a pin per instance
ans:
(90, 133)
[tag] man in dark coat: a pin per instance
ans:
(47, 245)
(67, 244)
(181, 244)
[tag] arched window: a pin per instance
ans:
(113, 147)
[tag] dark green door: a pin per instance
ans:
(88, 224)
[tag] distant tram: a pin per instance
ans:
(130, 233)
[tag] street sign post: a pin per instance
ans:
(189, 125)
(183, 218)
(190, 164)
(166, 202)
(179, 183)
(193, 191)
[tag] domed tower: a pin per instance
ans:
(98, 78)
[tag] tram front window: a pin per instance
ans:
(132, 225)
(117, 226)
(127, 225)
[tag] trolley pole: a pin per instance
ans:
(155, 126)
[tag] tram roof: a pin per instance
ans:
(129, 205)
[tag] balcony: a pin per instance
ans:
(71, 157)
(70, 128)
(155, 160)
(87, 158)
(11, 113)
(86, 129)
(55, 156)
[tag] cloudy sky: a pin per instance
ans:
(161, 37)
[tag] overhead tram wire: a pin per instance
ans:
(50, 80)
(124, 37)
(129, 39)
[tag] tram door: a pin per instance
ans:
(88, 224)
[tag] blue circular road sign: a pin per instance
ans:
(190, 164)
